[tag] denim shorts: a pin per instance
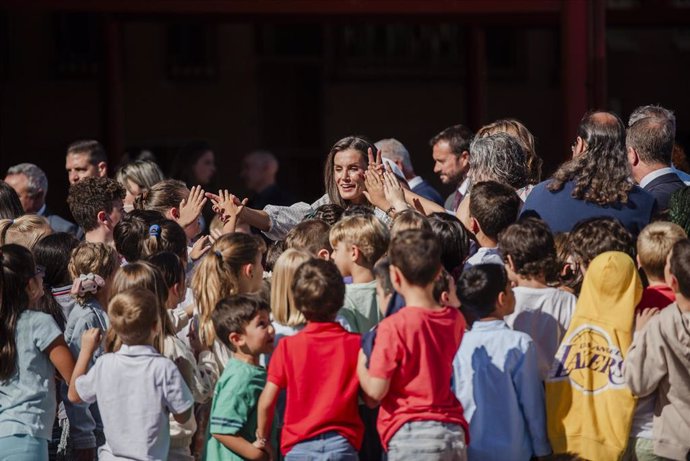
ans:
(329, 446)
(428, 441)
(23, 448)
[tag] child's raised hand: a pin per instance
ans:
(374, 192)
(644, 317)
(90, 341)
(191, 207)
(200, 248)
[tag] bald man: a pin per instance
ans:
(259, 171)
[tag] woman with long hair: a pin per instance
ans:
(352, 176)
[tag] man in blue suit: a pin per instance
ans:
(649, 140)
(396, 152)
(31, 185)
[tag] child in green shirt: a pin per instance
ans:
(243, 324)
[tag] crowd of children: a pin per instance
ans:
(406, 335)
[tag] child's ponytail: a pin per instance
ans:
(217, 276)
(17, 269)
(90, 266)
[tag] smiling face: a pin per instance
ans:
(259, 334)
(348, 171)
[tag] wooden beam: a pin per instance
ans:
(297, 7)
(599, 96)
(112, 93)
(574, 66)
(475, 89)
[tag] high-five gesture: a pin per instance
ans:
(191, 207)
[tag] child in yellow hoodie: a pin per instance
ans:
(589, 407)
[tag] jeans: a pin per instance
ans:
(329, 446)
(23, 448)
(428, 441)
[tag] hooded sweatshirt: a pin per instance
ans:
(589, 408)
(659, 362)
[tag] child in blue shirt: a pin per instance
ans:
(31, 347)
(92, 267)
(496, 375)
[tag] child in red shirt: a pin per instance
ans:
(411, 364)
(653, 247)
(318, 368)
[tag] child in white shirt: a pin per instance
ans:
(135, 387)
(541, 311)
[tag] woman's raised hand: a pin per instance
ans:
(227, 205)
(375, 163)
(191, 207)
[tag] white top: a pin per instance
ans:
(544, 314)
(682, 175)
(653, 175)
(484, 255)
(414, 182)
(135, 388)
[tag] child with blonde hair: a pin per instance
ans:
(25, 230)
(287, 319)
(654, 244)
(136, 386)
(92, 267)
(146, 275)
(358, 242)
(231, 266)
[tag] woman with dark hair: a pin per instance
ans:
(195, 164)
(10, 206)
(594, 183)
(345, 169)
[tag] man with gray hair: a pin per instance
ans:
(395, 151)
(649, 141)
(31, 185)
(259, 171)
(498, 157)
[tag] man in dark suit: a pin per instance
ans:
(450, 150)
(393, 150)
(31, 185)
(649, 141)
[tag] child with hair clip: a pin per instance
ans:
(136, 387)
(146, 275)
(167, 235)
(92, 267)
(31, 348)
(232, 266)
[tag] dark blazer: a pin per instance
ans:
(59, 224)
(427, 191)
(662, 188)
(561, 211)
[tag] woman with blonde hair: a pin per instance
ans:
(137, 178)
